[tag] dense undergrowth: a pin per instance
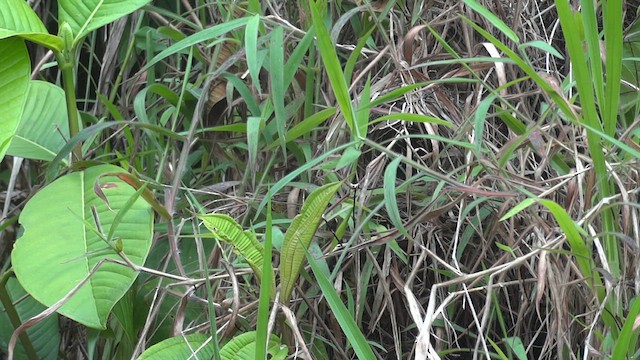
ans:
(471, 169)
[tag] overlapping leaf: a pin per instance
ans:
(61, 245)
(300, 234)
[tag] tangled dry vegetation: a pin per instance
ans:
(471, 277)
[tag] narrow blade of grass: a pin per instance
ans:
(346, 321)
(265, 290)
(333, 68)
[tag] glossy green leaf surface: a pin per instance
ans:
(243, 347)
(198, 346)
(14, 80)
(18, 19)
(44, 125)
(59, 249)
(84, 16)
(194, 346)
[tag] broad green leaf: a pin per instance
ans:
(14, 81)
(225, 228)
(198, 346)
(44, 336)
(18, 19)
(84, 16)
(193, 346)
(60, 246)
(44, 127)
(243, 347)
(300, 234)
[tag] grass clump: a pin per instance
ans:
(376, 179)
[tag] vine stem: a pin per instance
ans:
(65, 64)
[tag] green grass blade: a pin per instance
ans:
(276, 75)
(333, 68)
(589, 25)
(625, 345)
(251, 46)
(198, 37)
(493, 19)
(346, 321)
(613, 20)
(307, 125)
(296, 57)
(353, 58)
(390, 196)
(584, 85)
(412, 118)
(295, 173)
(265, 290)
(362, 114)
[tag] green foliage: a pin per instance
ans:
(85, 16)
(481, 168)
(14, 81)
(240, 347)
(43, 127)
(244, 242)
(44, 337)
(72, 243)
(300, 234)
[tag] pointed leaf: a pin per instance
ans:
(225, 228)
(199, 346)
(14, 80)
(59, 248)
(44, 127)
(198, 37)
(244, 347)
(333, 68)
(300, 234)
(193, 346)
(18, 19)
(84, 16)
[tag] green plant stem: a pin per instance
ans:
(13, 316)
(65, 64)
